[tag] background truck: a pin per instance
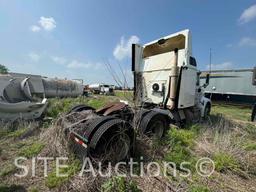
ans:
(167, 91)
(102, 89)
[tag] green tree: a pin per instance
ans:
(3, 69)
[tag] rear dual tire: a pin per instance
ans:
(154, 125)
(111, 142)
(79, 108)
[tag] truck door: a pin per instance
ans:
(188, 79)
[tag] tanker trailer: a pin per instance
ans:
(24, 96)
(167, 91)
(54, 87)
(21, 96)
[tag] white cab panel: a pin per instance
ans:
(187, 87)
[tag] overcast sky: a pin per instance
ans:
(75, 39)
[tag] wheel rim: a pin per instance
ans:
(157, 129)
(118, 147)
(112, 149)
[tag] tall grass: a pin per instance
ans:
(233, 112)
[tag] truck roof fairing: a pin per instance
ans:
(179, 40)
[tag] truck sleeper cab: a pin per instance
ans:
(166, 77)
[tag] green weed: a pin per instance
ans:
(31, 150)
(198, 188)
(235, 112)
(17, 133)
(179, 154)
(181, 141)
(11, 188)
(119, 184)
(53, 180)
(124, 95)
(9, 169)
(3, 133)
(181, 137)
(250, 146)
(251, 130)
(224, 161)
(33, 189)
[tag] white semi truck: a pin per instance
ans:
(167, 91)
(166, 77)
(102, 89)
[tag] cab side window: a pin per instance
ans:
(192, 61)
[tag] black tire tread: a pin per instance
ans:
(98, 134)
(94, 124)
(78, 108)
(147, 119)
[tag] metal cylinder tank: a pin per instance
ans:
(62, 88)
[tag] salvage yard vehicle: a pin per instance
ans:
(102, 89)
(167, 91)
(24, 96)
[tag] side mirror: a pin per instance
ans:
(254, 76)
(207, 80)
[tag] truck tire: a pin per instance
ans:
(94, 124)
(79, 108)
(112, 141)
(86, 128)
(154, 124)
(140, 115)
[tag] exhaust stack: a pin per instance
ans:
(173, 81)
